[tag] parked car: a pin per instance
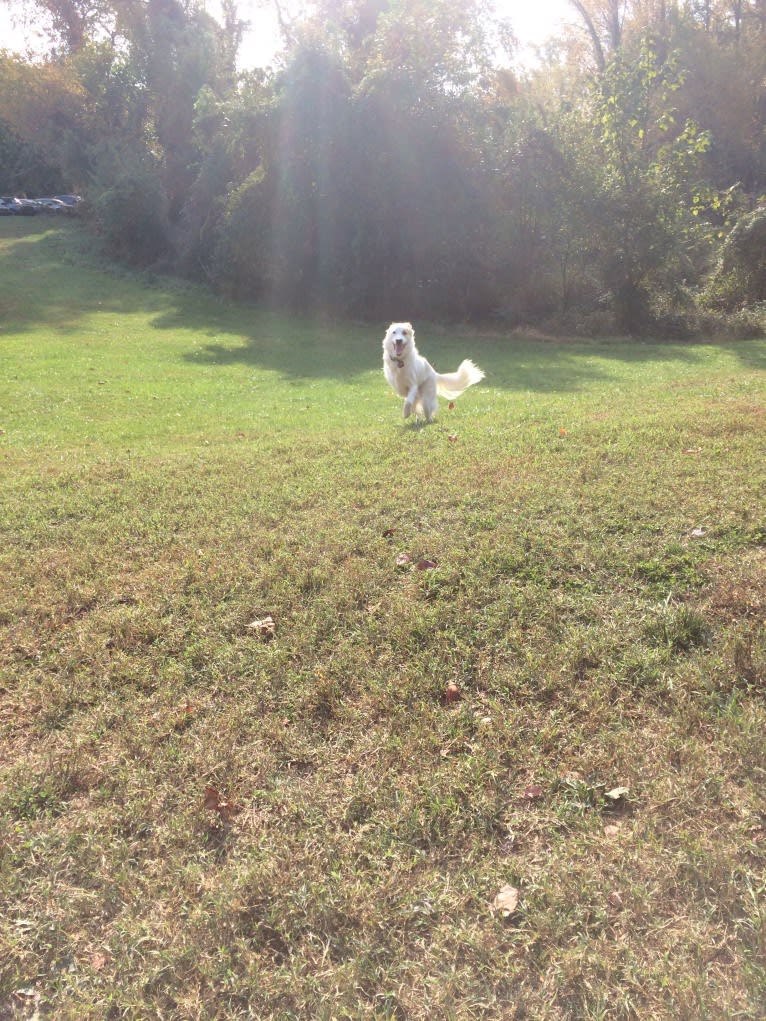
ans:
(47, 205)
(10, 205)
(13, 205)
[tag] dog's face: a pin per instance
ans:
(398, 339)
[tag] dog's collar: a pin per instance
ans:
(397, 361)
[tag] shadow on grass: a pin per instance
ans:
(307, 350)
(299, 349)
(47, 283)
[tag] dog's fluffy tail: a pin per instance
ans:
(452, 384)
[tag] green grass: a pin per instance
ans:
(174, 469)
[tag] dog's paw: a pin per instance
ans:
(407, 409)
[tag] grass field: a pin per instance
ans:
(202, 819)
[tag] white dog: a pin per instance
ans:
(414, 379)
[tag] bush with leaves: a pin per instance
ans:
(740, 278)
(132, 218)
(242, 266)
(23, 168)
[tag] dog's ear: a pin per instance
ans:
(409, 329)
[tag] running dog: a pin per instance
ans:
(414, 378)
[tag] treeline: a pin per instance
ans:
(394, 165)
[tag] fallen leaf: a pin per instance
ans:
(452, 437)
(693, 450)
(452, 692)
(532, 792)
(97, 961)
(425, 565)
(266, 628)
(615, 900)
(403, 559)
(612, 831)
(562, 432)
(506, 900)
(697, 533)
(617, 793)
(372, 607)
(451, 405)
(389, 533)
(214, 801)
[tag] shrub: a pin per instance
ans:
(241, 269)
(132, 217)
(740, 278)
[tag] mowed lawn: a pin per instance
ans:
(307, 713)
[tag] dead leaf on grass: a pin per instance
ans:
(533, 792)
(389, 533)
(615, 899)
(98, 961)
(617, 794)
(265, 628)
(452, 692)
(214, 801)
(403, 559)
(425, 565)
(506, 900)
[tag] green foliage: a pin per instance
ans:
(132, 218)
(241, 265)
(23, 168)
(740, 278)
(644, 163)
(389, 164)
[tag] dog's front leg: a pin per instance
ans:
(409, 403)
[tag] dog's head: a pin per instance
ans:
(398, 340)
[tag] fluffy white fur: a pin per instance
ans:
(415, 379)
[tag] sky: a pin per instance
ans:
(533, 22)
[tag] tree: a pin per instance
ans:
(642, 208)
(43, 106)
